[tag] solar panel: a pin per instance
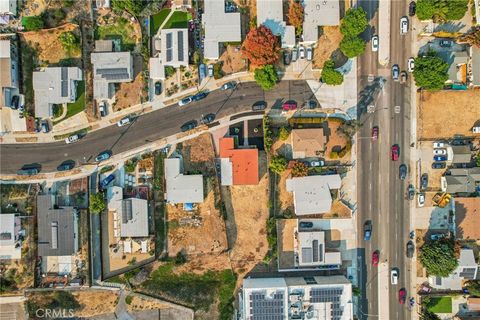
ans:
(307, 256)
(126, 211)
(468, 273)
(328, 295)
(315, 250)
(54, 234)
(64, 82)
(180, 45)
(169, 47)
(263, 308)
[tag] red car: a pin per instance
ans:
(374, 133)
(402, 295)
(289, 105)
(375, 258)
(395, 152)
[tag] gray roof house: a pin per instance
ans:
(57, 228)
(219, 26)
(461, 154)
(270, 14)
(461, 180)
(319, 13)
(172, 46)
(459, 62)
(54, 85)
(110, 68)
(182, 188)
(9, 74)
(311, 195)
(475, 55)
(467, 269)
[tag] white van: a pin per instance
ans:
(309, 53)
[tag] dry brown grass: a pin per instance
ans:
(129, 93)
(328, 42)
(95, 302)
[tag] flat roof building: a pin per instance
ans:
(8, 7)
(270, 14)
(467, 218)
(475, 60)
(10, 244)
(461, 180)
(9, 74)
(319, 13)
(461, 154)
(311, 250)
(182, 188)
(173, 51)
(238, 166)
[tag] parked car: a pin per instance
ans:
(306, 224)
(367, 230)
(410, 249)
(375, 258)
(123, 122)
(315, 163)
(209, 118)
(185, 101)
(229, 85)
(375, 43)
(102, 156)
(28, 171)
(395, 72)
(438, 145)
(259, 106)
(410, 64)
(412, 8)
(424, 181)
(301, 52)
(210, 70)
(437, 236)
(190, 125)
(158, 88)
(289, 105)
(105, 182)
(375, 133)
(421, 199)
(402, 171)
(287, 57)
(440, 158)
(103, 109)
(403, 77)
(310, 104)
(72, 139)
(439, 165)
(394, 276)
(199, 96)
(402, 295)
(45, 126)
(445, 43)
(66, 165)
(395, 152)
(411, 192)
(309, 53)
(439, 152)
(15, 102)
(202, 71)
(294, 54)
(403, 25)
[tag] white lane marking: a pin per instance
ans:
(370, 186)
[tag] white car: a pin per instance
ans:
(403, 25)
(301, 52)
(421, 199)
(410, 64)
(394, 276)
(375, 43)
(438, 145)
(123, 122)
(185, 101)
(315, 163)
(309, 53)
(72, 139)
(210, 70)
(439, 152)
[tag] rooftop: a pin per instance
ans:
(270, 14)
(5, 66)
(9, 231)
(238, 166)
(182, 188)
(467, 218)
(461, 154)
(461, 180)
(476, 64)
(307, 142)
(319, 13)
(8, 7)
(455, 73)
(467, 270)
(311, 250)
(174, 47)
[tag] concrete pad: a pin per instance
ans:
(10, 121)
(76, 121)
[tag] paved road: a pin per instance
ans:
(381, 195)
(149, 127)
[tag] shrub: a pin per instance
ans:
(217, 70)
(97, 203)
(299, 169)
(331, 76)
(283, 133)
(438, 257)
(278, 164)
(169, 71)
(266, 77)
(33, 23)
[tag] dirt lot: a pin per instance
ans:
(131, 93)
(233, 60)
(285, 198)
(96, 302)
(198, 155)
(328, 42)
(139, 304)
(49, 48)
(336, 140)
(438, 113)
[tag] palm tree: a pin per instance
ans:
(472, 37)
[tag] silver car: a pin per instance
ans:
(395, 72)
(403, 25)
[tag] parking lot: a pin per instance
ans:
(424, 165)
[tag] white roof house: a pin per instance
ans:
(319, 13)
(130, 215)
(467, 269)
(321, 298)
(54, 85)
(219, 27)
(10, 246)
(182, 188)
(311, 195)
(311, 250)
(9, 74)
(173, 51)
(270, 14)
(8, 7)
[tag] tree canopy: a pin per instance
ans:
(430, 72)
(441, 10)
(266, 77)
(68, 40)
(97, 203)
(278, 164)
(295, 16)
(473, 287)
(354, 22)
(261, 46)
(352, 46)
(428, 315)
(331, 76)
(438, 257)
(299, 169)
(132, 6)
(33, 23)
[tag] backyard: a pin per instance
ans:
(328, 41)
(440, 304)
(179, 19)
(74, 107)
(115, 27)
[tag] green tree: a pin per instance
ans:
(68, 40)
(428, 315)
(283, 133)
(33, 23)
(430, 72)
(97, 202)
(278, 164)
(438, 257)
(456, 9)
(352, 46)
(266, 77)
(356, 291)
(331, 76)
(441, 10)
(473, 287)
(354, 22)
(132, 6)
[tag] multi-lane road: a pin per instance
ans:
(381, 194)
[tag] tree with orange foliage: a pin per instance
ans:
(295, 16)
(261, 46)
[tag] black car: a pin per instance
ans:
(15, 102)
(424, 181)
(310, 104)
(66, 165)
(259, 106)
(412, 8)
(445, 43)
(208, 118)
(402, 170)
(199, 96)
(287, 57)
(190, 125)
(306, 224)
(439, 165)
(158, 88)
(410, 249)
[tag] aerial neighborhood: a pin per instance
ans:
(240, 159)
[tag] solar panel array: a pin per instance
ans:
(326, 295)
(267, 309)
(126, 210)
(64, 81)
(169, 47)
(312, 254)
(468, 273)
(113, 73)
(180, 45)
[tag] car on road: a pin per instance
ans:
(158, 88)
(375, 258)
(367, 230)
(410, 64)
(421, 199)
(403, 25)
(424, 181)
(259, 106)
(403, 77)
(289, 105)
(71, 139)
(306, 224)
(103, 156)
(301, 52)
(28, 171)
(294, 54)
(440, 158)
(66, 165)
(375, 43)
(395, 72)
(412, 8)
(229, 85)
(439, 165)
(394, 276)
(185, 101)
(395, 152)
(123, 122)
(438, 145)
(287, 57)
(190, 125)
(410, 249)
(315, 163)
(210, 70)
(445, 43)
(402, 171)
(411, 192)
(439, 152)
(199, 96)
(209, 118)
(402, 296)
(105, 182)
(375, 133)
(309, 53)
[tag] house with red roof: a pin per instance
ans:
(239, 166)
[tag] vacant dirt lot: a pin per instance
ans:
(131, 93)
(328, 42)
(198, 155)
(233, 60)
(95, 302)
(438, 113)
(336, 140)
